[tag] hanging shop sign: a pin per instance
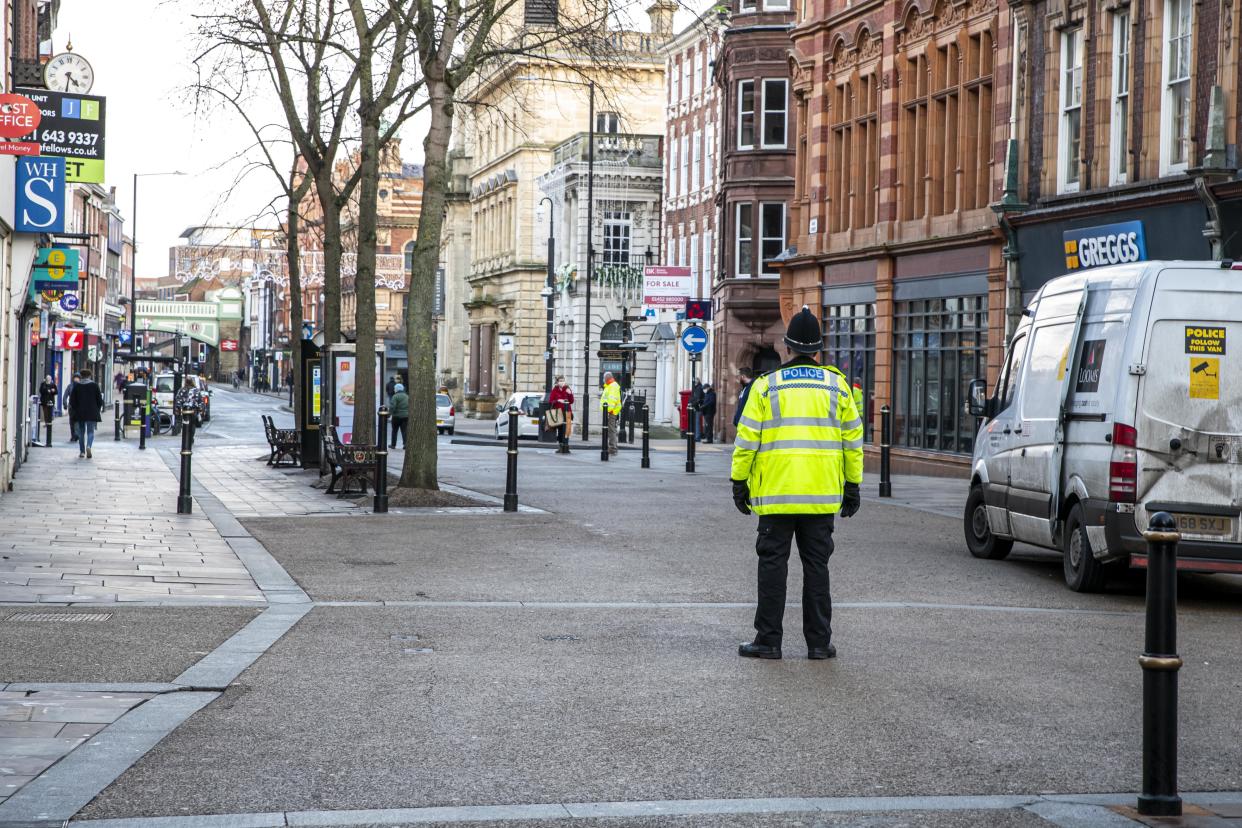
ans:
(72, 128)
(70, 339)
(56, 269)
(1107, 244)
(19, 116)
(40, 199)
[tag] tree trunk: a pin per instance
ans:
(329, 206)
(420, 447)
(364, 284)
(292, 251)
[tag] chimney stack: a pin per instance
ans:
(661, 14)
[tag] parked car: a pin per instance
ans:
(166, 389)
(527, 403)
(446, 414)
(1118, 399)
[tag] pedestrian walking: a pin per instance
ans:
(187, 400)
(745, 379)
(709, 412)
(64, 406)
(696, 405)
(86, 404)
(47, 398)
(399, 412)
(119, 382)
(610, 403)
(561, 401)
(390, 387)
(236, 380)
(797, 463)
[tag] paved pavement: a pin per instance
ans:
(576, 666)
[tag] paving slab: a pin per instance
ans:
(134, 644)
(467, 706)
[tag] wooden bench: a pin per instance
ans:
(348, 462)
(285, 443)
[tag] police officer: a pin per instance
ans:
(797, 463)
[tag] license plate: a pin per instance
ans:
(1214, 526)
(439, 422)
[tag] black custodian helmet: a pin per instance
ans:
(803, 334)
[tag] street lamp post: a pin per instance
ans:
(550, 289)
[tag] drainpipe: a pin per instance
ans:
(1010, 203)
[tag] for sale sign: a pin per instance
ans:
(72, 127)
(667, 287)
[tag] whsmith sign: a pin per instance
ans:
(1108, 244)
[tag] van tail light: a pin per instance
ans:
(1123, 466)
(451, 411)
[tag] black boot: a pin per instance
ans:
(752, 650)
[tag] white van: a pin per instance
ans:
(1120, 397)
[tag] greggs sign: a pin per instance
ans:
(1108, 244)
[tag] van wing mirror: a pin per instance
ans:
(977, 402)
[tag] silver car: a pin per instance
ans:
(446, 414)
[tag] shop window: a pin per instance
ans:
(1175, 113)
(849, 344)
(617, 227)
(772, 235)
(746, 114)
(744, 250)
(939, 346)
(1119, 136)
(775, 95)
(1069, 139)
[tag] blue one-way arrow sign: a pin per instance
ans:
(694, 339)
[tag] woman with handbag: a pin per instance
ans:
(560, 412)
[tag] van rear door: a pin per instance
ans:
(1190, 405)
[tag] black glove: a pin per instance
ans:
(852, 500)
(741, 496)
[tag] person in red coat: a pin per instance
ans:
(562, 399)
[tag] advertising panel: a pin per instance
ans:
(72, 128)
(55, 268)
(667, 287)
(40, 200)
(344, 367)
(19, 116)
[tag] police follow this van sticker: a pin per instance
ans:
(1205, 339)
(1206, 345)
(1106, 244)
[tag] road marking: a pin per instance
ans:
(744, 605)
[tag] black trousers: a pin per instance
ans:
(398, 425)
(814, 536)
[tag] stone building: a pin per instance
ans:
(452, 329)
(626, 210)
(901, 120)
(691, 183)
(756, 149)
(525, 108)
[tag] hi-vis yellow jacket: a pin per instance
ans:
(799, 441)
(610, 398)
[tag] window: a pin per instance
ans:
(849, 344)
(774, 112)
(746, 114)
(854, 166)
(939, 346)
(674, 74)
(1045, 370)
(681, 251)
(776, 5)
(617, 227)
(673, 167)
(698, 72)
(708, 255)
(683, 186)
(409, 257)
(744, 249)
(744, 6)
(1013, 370)
(695, 275)
(1119, 137)
(772, 234)
(696, 162)
(709, 156)
(1069, 140)
(607, 123)
(540, 12)
(1175, 126)
(687, 79)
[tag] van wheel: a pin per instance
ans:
(979, 538)
(1083, 573)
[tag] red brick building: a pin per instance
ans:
(757, 182)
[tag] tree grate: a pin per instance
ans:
(60, 617)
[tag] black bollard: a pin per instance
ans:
(690, 431)
(116, 421)
(1160, 663)
(886, 445)
(633, 409)
(603, 434)
(185, 503)
(48, 442)
(511, 502)
(380, 503)
(142, 430)
(646, 464)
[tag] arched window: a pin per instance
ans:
(409, 256)
(614, 331)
